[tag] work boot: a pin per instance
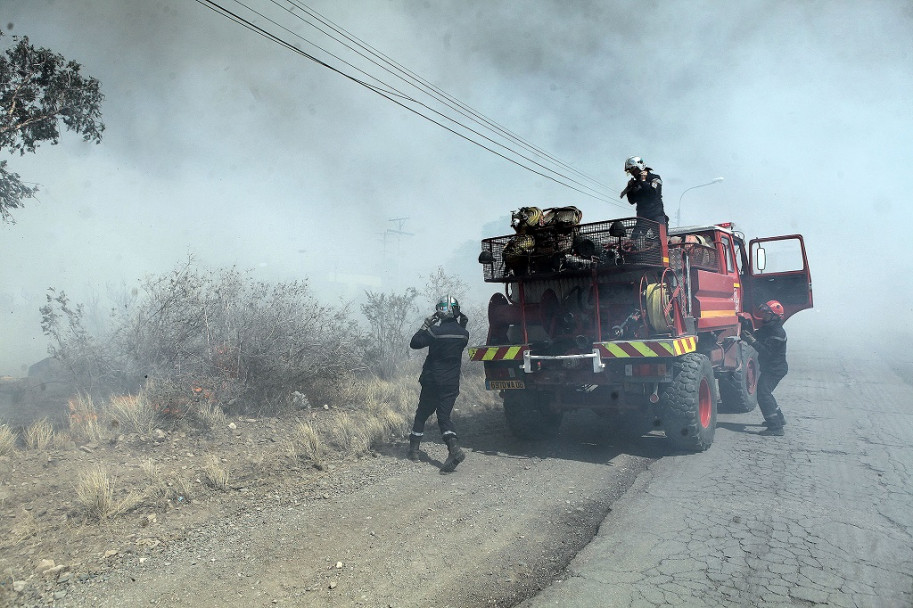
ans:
(414, 443)
(778, 420)
(454, 457)
(772, 431)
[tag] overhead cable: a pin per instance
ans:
(391, 93)
(411, 77)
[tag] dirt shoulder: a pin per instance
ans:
(378, 530)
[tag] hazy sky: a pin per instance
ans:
(222, 144)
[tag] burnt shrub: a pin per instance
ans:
(211, 336)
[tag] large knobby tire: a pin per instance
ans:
(688, 405)
(739, 390)
(529, 417)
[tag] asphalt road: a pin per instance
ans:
(820, 517)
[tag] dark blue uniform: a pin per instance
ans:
(440, 378)
(647, 196)
(770, 342)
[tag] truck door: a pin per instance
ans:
(730, 261)
(778, 270)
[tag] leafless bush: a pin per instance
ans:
(86, 357)
(39, 435)
(388, 343)
(219, 336)
(7, 439)
(439, 284)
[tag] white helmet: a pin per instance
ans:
(448, 307)
(635, 163)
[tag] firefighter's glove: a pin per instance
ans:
(430, 321)
(633, 186)
(463, 320)
(749, 338)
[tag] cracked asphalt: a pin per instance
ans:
(820, 517)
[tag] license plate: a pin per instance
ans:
(500, 385)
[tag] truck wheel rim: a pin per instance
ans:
(704, 403)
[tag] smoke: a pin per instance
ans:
(222, 144)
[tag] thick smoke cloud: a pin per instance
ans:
(223, 145)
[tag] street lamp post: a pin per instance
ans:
(678, 214)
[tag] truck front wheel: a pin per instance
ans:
(529, 417)
(688, 405)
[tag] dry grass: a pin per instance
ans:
(180, 489)
(39, 435)
(374, 431)
(306, 443)
(62, 440)
(26, 526)
(157, 487)
(83, 419)
(152, 470)
(134, 413)
(394, 422)
(348, 435)
(177, 488)
(215, 474)
(7, 439)
(209, 414)
(95, 493)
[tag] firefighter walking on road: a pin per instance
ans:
(440, 378)
(770, 342)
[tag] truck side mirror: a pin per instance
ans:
(760, 258)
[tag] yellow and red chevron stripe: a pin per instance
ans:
(627, 349)
(497, 353)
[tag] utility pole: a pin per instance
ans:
(398, 233)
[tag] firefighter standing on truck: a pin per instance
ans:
(645, 190)
(440, 378)
(770, 342)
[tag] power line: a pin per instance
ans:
(392, 94)
(392, 91)
(427, 87)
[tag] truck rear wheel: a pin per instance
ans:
(529, 417)
(689, 404)
(739, 391)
